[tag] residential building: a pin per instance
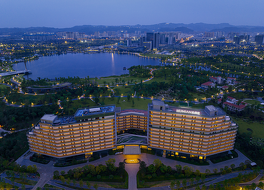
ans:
(230, 80)
(190, 132)
(234, 105)
(207, 85)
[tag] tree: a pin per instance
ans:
(203, 187)
(111, 164)
(184, 183)
(179, 169)
(68, 181)
(197, 178)
(121, 168)
(208, 172)
(157, 163)
(191, 180)
(142, 168)
(203, 177)
(88, 184)
(197, 173)
(56, 174)
(62, 179)
(188, 171)
(197, 188)
(151, 169)
(96, 186)
(62, 172)
(215, 171)
(178, 184)
(233, 166)
(253, 186)
(242, 166)
(81, 183)
(211, 187)
(261, 185)
(172, 185)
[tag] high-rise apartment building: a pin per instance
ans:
(156, 40)
(259, 39)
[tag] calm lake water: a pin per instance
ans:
(83, 65)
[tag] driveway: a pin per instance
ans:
(149, 158)
(132, 170)
(46, 170)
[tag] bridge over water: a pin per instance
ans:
(15, 73)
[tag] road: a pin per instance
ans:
(46, 170)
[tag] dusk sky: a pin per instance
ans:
(68, 13)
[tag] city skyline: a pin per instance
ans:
(66, 13)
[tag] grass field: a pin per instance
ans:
(253, 102)
(3, 86)
(156, 55)
(112, 79)
(157, 80)
(25, 182)
(256, 127)
(124, 90)
(124, 104)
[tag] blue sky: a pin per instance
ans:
(68, 13)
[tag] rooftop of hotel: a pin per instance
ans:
(208, 111)
(134, 111)
(94, 111)
(80, 113)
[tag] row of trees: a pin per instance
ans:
(88, 172)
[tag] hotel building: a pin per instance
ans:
(88, 131)
(132, 119)
(192, 132)
(173, 130)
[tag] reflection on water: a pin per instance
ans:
(113, 64)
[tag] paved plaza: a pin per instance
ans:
(46, 170)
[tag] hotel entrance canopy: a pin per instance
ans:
(132, 150)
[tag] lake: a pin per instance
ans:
(83, 65)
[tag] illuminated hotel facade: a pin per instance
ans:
(175, 131)
(198, 133)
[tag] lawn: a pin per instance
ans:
(254, 102)
(3, 86)
(25, 182)
(124, 90)
(156, 55)
(158, 80)
(139, 103)
(48, 186)
(112, 79)
(256, 127)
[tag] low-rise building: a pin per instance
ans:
(207, 85)
(234, 105)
